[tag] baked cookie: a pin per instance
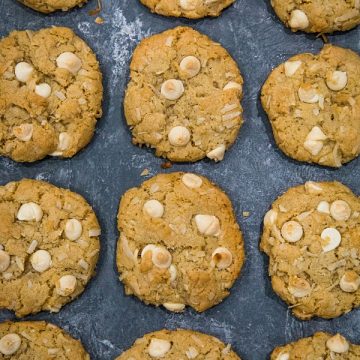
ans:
(178, 344)
(48, 6)
(29, 340)
(179, 242)
(318, 16)
(313, 103)
(319, 346)
(184, 96)
(312, 237)
(50, 94)
(49, 246)
(192, 9)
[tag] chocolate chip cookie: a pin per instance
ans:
(48, 6)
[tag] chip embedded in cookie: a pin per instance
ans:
(184, 96)
(49, 246)
(318, 16)
(319, 346)
(49, 6)
(312, 237)
(192, 9)
(313, 104)
(29, 340)
(50, 94)
(178, 344)
(179, 242)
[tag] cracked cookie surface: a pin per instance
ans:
(179, 344)
(49, 246)
(50, 94)
(318, 16)
(312, 238)
(49, 6)
(184, 96)
(179, 242)
(313, 104)
(28, 340)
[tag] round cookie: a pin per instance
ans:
(312, 237)
(318, 16)
(192, 9)
(179, 242)
(28, 340)
(50, 94)
(49, 246)
(184, 96)
(178, 344)
(319, 346)
(49, 6)
(313, 104)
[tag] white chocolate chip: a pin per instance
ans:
(331, 239)
(73, 229)
(308, 94)
(189, 5)
(41, 260)
(233, 85)
(159, 256)
(312, 187)
(29, 212)
(4, 260)
(10, 344)
(298, 20)
(316, 134)
(340, 210)
(323, 207)
(350, 281)
(314, 141)
(172, 89)
(23, 71)
(337, 80)
(154, 208)
(43, 90)
(191, 353)
(174, 307)
(338, 344)
(179, 136)
(292, 231)
(23, 132)
(222, 258)
(208, 225)
(190, 65)
(67, 285)
(270, 217)
(217, 154)
(159, 347)
(299, 287)
(283, 356)
(291, 67)
(69, 61)
(64, 141)
(192, 181)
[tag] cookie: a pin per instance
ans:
(192, 9)
(178, 344)
(48, 6)
(179, 242)
(184, 96)
(318, 16)
(50, 94)
(319, 346)
(49, 246)
(313, 104)
(28, 340)
(312, 237)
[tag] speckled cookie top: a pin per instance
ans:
(29, 340)
(179, 242)
(318, 16)
(48, 6)
(192, 9)
(312, 237)
(313, 103)
(184, 96)
(178, 344)
(319, 346)
(50, 94)
(49, 245)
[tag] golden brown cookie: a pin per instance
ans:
(50, 94)
(313, 104)
(312, 237)
(49, 246)
(319, 346)
(178, 344)
(48, 6)
(192, 9)
(30, 340)
(184, 96)
(179, 242)
(318, 16)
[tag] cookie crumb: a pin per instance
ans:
(99, 20)
(166, 165)
(145, 172)
(97, 10)
(246, 213)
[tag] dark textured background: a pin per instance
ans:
(253, 173)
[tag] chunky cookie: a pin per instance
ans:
(319, 346)
(312, 237)
(313, 103)
(50, 94)
(29, 340)
(184, 96)
(48, 6)
(178, 344)
(318, 16)
(192, 9)
(49, 245)
(179, 242)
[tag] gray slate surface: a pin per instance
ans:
(253, 173)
